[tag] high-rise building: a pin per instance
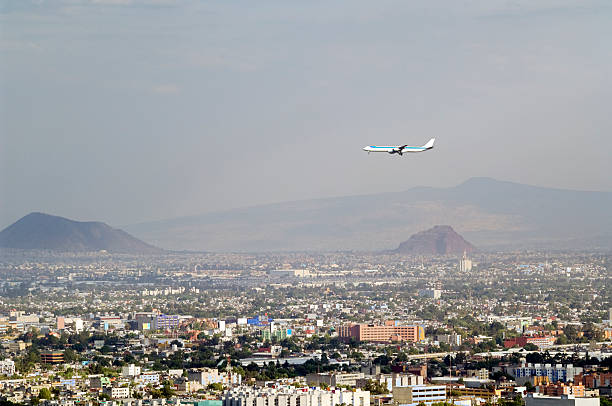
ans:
(465, 264)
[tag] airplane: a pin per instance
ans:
(400, 149)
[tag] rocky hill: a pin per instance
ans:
(46, 232)
(438, 240)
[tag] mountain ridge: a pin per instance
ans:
(490, 213)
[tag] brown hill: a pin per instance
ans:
(439, 240)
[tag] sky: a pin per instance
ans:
(126, 111)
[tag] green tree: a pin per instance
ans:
(44, 393)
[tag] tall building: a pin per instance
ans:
(465, 264)
(387, 333)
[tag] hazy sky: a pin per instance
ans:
(127, 111)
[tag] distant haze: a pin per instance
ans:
(489, 213)
(138, 110)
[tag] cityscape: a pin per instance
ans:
(327, 329)
(305, 203)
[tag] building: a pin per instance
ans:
(16, 346)
(273, 332)
(166, 322)
(149, 378)
(52, 357)
(420, 370)
(450, 339)
(558, 372)
(206, 376)
(594, 380)
(371, 369)
(117, 392)
(289, 273)
(535, 399)
(291, 396)
(334, 379)
(7, 367)
(130, 370)
(465, 264)
(430, 293)
(539, 341)
(98, 382)
(482, 393)
(387, 333)
(390, 381)
(560, 388)
(413, 395)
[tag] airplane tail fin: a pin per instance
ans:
(430, 143)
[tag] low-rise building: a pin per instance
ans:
(117, 392)
(334, 379)
(413, 395)
(555, 373)
(291, 396)
(7, 367)
(536, 399)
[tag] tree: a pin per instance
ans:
(217, 386)
(44, 393)
(530, 347)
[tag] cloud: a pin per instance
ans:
(167, 88)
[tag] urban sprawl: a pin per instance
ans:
(303, 329)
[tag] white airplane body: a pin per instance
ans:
(399, 149)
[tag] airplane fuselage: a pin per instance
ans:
(392, 150)
(399, 149)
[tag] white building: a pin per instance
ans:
(393, 380)
(465, 264)
(535, 399)
(291, 396)
(413, 395)
(117, 392)
(130, 370)
(206, 376)
(7, 367)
